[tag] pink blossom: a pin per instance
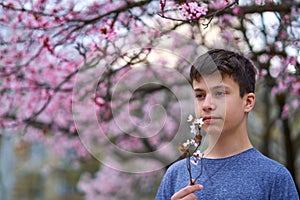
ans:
(111, 184)
(274, 91)
(263, 72)
(192, 10)
(219, 4)
(228, 35)
(225, 20)
(295, 104)
(295, 87)
(237, 10)
(286, 111)
(259, 2)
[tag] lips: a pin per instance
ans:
(208, 119)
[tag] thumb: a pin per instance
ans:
(195, 185)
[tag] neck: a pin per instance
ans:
(229, 145)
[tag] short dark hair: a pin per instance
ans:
(228, 63)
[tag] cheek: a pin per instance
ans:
(222, 107)
(234, 110)
(197, 109)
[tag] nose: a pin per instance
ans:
(208, 104)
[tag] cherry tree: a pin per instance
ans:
(108, 79)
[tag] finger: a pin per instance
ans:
(186, 191)
(190, 197)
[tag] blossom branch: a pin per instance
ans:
(194, 12)
(188, 150)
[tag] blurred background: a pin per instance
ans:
(95, 93)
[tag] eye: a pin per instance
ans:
(219, 93)
(199, 96)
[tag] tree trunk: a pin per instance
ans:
(7, 161)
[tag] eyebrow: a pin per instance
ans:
(213, 88)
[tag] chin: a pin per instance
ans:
(212, 128)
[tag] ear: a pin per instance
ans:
(249, 101)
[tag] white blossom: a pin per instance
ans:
(197, 154)
(190, 118)
(199, 121)
(193, 128)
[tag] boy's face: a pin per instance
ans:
(218, 101)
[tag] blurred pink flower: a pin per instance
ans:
(193, 10)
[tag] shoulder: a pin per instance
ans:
(267, 164)
(173, 180)
(276, 174)
(176, 169)
(254, 157)
(177, 164)
(252, 162)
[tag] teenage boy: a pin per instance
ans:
(224, 83)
